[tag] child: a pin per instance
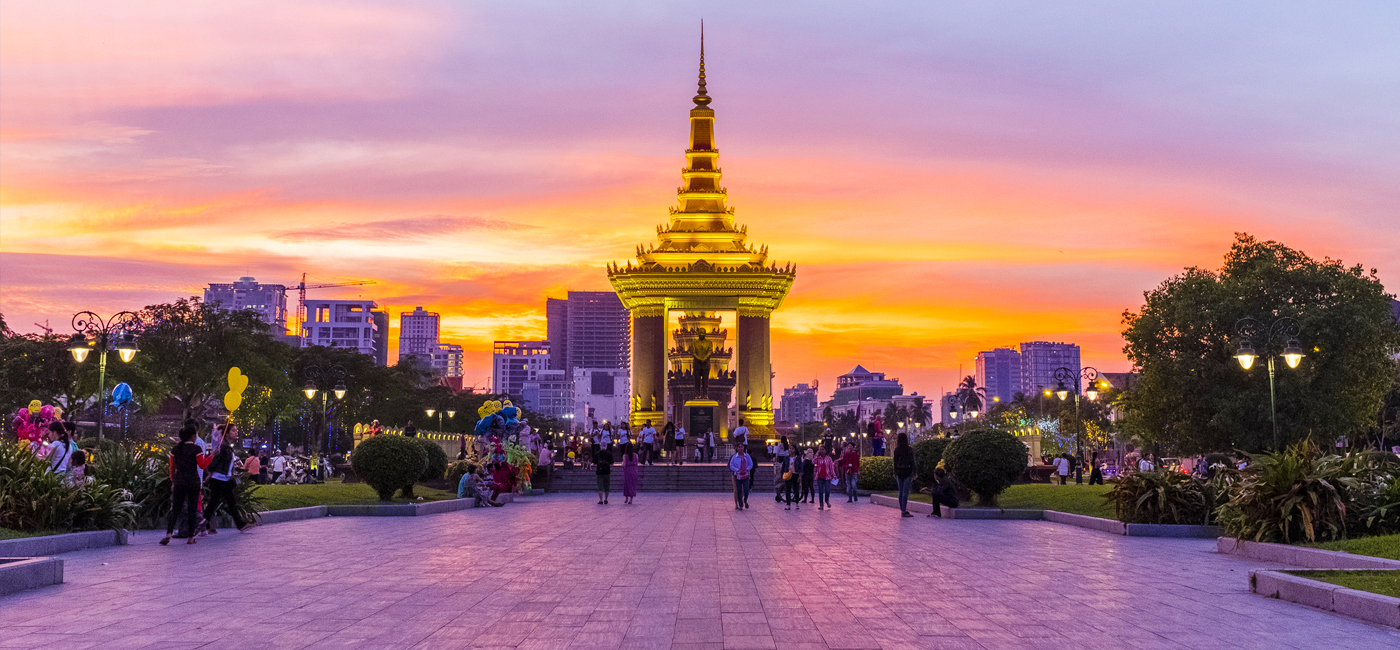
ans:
(77, 473)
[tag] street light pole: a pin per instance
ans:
(317, 374)
(95, 332)
(1090, 375)
(1250, 331)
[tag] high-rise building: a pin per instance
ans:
(799, 404)
(447, 360)
(269, 301)
(352, 324)
(418, 333)
(589, 329)
(999, 372)
(556, 316)
(1040, 359)
(515, 362)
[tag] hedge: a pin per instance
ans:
(987, 462)
(388, 463)
(927, 453)
(876, 473)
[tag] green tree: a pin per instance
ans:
(187, 348)
(1193, 397)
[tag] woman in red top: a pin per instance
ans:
(850, 467)
(826, 470)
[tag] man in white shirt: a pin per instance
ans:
(741, 434)
(1145, 464)
(279, 465)
(1062, 467)
(648, 441)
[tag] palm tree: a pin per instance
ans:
(970, 395)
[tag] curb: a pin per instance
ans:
(1364, 605)
(1081, 521)
(1085, 521)
(47, 545)
(19, 574)
(1301, 557)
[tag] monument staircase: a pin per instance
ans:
(690, 477)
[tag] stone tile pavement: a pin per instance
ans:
(680, 571)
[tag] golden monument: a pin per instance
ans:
(702, 264)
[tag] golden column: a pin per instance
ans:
(702, 262)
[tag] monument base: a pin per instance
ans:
(701, 415)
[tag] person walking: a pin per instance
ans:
(279, 466)
(222, 482)
(1096, 472)
(648, 443)
(808, 476)
(630, 462)
(184, 485)
(825, 470)
(741, 435)
(1062, 467)
(742, 467)
(709, 445)
(850, 468)
(604, 462)
(791, 480)
(903, 471)
(943, 493)
(680, 446)
(781, 463)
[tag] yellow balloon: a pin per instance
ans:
(34, 407)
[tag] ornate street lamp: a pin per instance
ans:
(1090, 376)
(317, 375)
(112, 334)
(1283, 329)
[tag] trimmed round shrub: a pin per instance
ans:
(927, 454)
(388, 463)
(876, 473)
(987, 462)
(437, 464)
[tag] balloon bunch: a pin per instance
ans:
(31, 422)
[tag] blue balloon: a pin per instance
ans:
(121, 394)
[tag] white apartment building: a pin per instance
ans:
(349, 324)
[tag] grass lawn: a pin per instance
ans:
(6, 533)
(1386, 583)
(1074, 499)
(1387, 546)
(281, 497)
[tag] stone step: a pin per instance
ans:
(662, 478)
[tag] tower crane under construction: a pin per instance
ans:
(301, 298)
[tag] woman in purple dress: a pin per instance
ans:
(629, 472)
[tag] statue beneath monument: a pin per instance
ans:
(700, 352)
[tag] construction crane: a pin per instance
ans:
(301, 298)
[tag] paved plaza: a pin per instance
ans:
(672, 571)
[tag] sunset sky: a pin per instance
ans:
(948, 177)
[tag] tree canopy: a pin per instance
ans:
(1192, 395)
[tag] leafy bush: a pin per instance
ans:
(1160, 497)
(1295, 495)
(105, 444)
(144, 475)
(987, 462)
(433, 470)
(927, 454)
(1376, 509)
(388, 463)
(33, 498)
(456, 471)
(876, 473)
(437, 460)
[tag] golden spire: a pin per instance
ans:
(702, 100)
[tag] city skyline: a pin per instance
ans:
(966, 217)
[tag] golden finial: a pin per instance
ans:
(702, 100)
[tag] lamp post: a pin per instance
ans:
(450, 414)
(1090, 375)
(316, 376)
(1253, 331)
(93, 332)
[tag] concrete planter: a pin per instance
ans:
(28, 547)
(991, 513)
(1301, 557)
(1364, 605)
(893, 502)
(21, 573)
(1085, 521)
(1171, 530)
